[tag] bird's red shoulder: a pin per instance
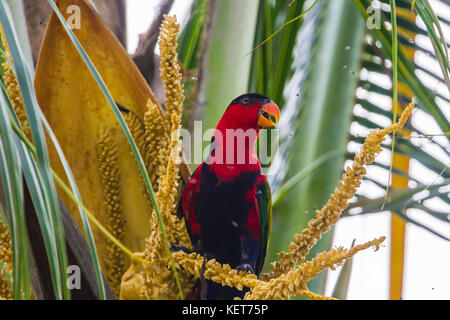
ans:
(187, 202)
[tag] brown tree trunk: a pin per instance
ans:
(37, 13)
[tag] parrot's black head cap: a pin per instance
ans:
(251, 98)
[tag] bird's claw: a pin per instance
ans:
(175, 247)
(245, 267)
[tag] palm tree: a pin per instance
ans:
(335, 67)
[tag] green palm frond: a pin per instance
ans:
(370, 111)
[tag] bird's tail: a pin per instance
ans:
(210, 290)
(215, 291)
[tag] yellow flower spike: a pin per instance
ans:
(155, 253)
(6, 258)
(338, 201)
(172, 77)
(138, 132)
(170, 67)
(13, 90)
(155, 275)
(109, 172)
(193, 263)
(159, 282)
(137, 129)
(157, 138)
(294, 282)
(314, 296)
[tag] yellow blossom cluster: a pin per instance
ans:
(139, 134)
(159, 278)
(6, 262)
(14, 94)
(157, 140)
(170, 67)
(294, 282)
(13, 89)
(109, 172)
(288, 284)
(197, 265)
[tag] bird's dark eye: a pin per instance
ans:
(245, 101)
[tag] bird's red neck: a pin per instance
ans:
(233, 146)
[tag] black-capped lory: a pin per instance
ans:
(226, 203)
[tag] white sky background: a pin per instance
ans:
(427, 257)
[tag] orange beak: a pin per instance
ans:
(269, 115)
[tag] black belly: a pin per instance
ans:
(222, 213)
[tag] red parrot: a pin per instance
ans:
(226, 202)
